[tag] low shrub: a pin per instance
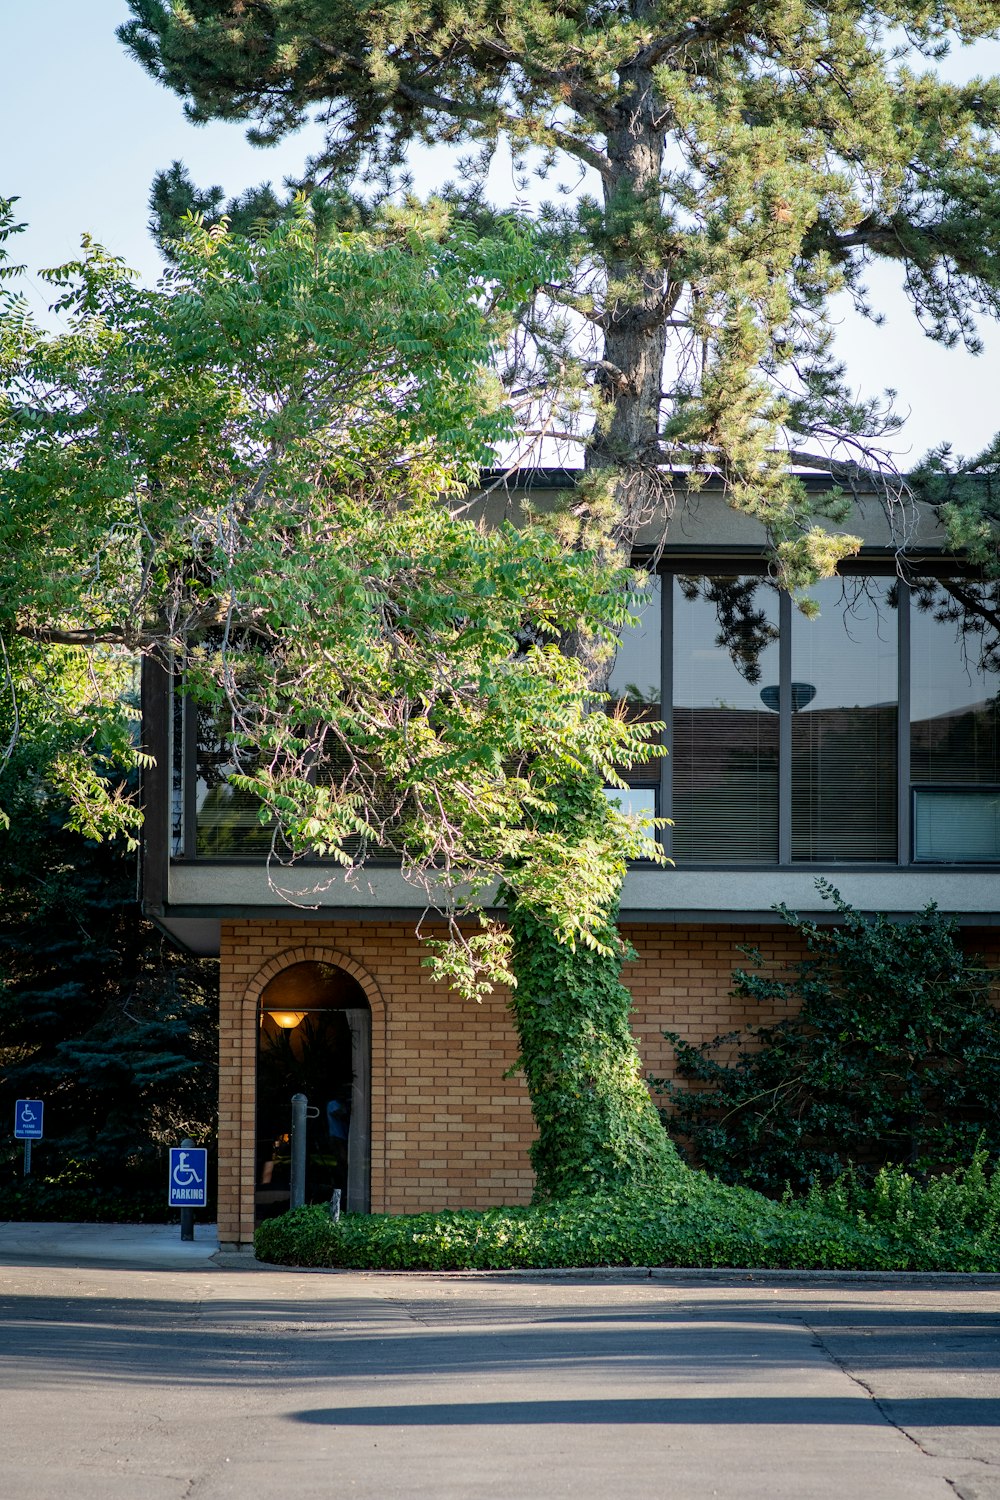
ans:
(950, 1222)
(694, 1221)
(73, 1193)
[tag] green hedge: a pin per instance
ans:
(695, 1222)
(950, 1222)
(76, 1194)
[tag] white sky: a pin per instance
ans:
(84, 130)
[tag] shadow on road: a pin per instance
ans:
(229, 1341)
(735, 1411)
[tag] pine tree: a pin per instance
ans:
(744, 164)
(751, 160)
(99, 1017)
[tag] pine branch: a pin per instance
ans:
(426, 98)
(565, 82)
(838, 468)
(969, 602)
(697, 32)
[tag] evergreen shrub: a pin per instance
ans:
(99, 1018)
(949, 1222)
(890, 1055)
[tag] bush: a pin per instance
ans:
(951, 1221)
(98, 1017)
(892, 1055)
(694, 1221)
(74, 1194)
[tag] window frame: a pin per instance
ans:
(722, 565)
(181, 737)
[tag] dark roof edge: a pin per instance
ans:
(554, 478)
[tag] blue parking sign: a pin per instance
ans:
(187, 1185)
(29, 1115)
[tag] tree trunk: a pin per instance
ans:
(639, 303)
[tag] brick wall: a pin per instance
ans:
(448, 1129)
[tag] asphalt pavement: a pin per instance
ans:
(134, 1368)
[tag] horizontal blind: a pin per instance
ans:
(725, 739)
(956, 824)
(845, 733)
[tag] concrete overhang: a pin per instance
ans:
(706, 524)
(203, 894)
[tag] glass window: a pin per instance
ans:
(227, 817)
(955, 685)
(725, 720)
(956, 823)
(837, 797)
(844, 723)
(634, 802)
(177, 773)
(635, 677)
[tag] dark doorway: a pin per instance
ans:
(314, 1038)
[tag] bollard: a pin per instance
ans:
(187, 1214)
(297, 1195)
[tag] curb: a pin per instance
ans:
(245, 1260)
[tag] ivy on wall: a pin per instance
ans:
(598, 1129)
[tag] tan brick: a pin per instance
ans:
(438, 1090)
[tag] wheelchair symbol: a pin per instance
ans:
(27, 1115)
(184, 1174)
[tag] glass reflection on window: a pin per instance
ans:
(725, 730)
(844, 737)
(955, 684)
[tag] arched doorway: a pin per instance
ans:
(314, 1038)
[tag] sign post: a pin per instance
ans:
(29, 1119)
(187, 1182)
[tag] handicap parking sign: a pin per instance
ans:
(188, 1181)
(29, 1115)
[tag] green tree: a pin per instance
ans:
(750, 161)
(242, 473)
(98, 1015)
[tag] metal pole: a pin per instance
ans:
(187, 1214)
(298, 1184)
(27, 1156)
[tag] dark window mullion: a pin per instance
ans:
(785, 730)
(667, 585)
(903, 728)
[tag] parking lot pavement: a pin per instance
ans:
(204, 1383)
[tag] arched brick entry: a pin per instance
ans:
(237, 1084)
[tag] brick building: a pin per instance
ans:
(863, 747)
